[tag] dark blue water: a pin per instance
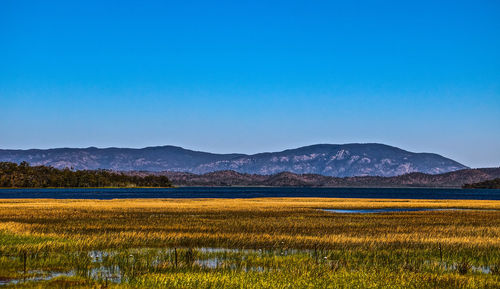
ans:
(254, 192)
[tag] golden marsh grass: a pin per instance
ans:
(409, 246)
(252, 223)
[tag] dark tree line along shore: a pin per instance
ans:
(23, 175)
(489, 184)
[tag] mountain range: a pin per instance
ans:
(334, 160)
(232, 178)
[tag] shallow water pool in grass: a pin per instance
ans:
(392, 210)
(104, 267)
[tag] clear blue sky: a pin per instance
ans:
(251, 76)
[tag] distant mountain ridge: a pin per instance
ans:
(323, 159)
(231, 178)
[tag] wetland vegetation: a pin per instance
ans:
(248, 243)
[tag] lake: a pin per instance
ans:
(255, 192)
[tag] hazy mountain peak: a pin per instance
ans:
(340, 160)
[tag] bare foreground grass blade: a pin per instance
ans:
(248, 243)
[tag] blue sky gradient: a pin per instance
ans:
(252, 76)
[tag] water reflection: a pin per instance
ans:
(123, 266)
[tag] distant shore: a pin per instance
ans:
(455, 179)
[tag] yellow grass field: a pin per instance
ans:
(430, 242)
(251, 223)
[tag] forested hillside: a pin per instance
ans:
(231, 178)
(25, 176)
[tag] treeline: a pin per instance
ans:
(25, 176)
(489, 184)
